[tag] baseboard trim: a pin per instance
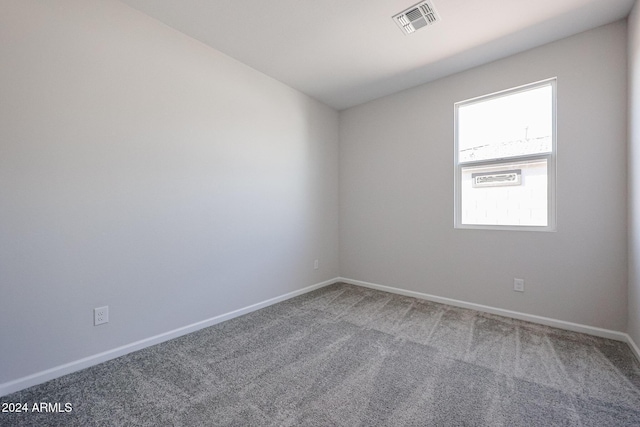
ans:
(59, 371)
(561, 324)
(86, 362)
(634, 347)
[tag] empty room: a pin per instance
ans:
(323, 213)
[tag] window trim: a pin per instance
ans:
(550, 157)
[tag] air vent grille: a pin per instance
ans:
(417, 16)
(414, 14)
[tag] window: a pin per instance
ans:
(505, 149)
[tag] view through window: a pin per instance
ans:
(505, 159)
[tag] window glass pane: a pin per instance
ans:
(515, 124)
(511, 194)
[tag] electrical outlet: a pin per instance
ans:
(315, 264)
(100, 315)
(518, 285)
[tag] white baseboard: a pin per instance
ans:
(561, 324)
(58, 371)
(634, 347)
(77, 365)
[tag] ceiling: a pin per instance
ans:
(346, 52)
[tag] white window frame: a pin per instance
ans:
(550, 157)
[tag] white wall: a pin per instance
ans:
(396, 190)
(633, 324)
(143, 170)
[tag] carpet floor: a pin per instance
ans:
(350, 356)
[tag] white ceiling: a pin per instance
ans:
(346, 52)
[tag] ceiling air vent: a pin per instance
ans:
(417, 16)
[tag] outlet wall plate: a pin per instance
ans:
(518, 285)
(100, 315)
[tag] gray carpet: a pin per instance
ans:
(350, 356)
